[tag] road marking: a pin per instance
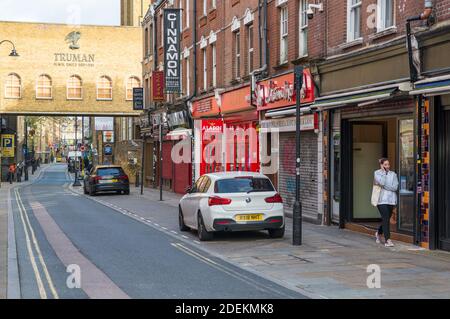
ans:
(174, 232)
(185, 237)
(38, 249)
(37, 275)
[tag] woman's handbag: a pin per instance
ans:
(376, 191)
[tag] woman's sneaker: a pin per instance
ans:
(389, 243)
(377, 238)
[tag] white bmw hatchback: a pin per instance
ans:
(232, 201)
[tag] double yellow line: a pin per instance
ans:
(32, 242)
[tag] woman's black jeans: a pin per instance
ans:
(386, 214)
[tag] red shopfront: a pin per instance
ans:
(236, 124)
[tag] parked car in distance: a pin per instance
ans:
(232, 201)
(106, 178)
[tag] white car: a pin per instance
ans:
(232, 201)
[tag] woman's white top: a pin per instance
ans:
(389, 186)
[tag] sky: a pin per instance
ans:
(98, 12)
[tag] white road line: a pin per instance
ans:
(37, 275)
(174, 232)
(38, 249)
(185, 237)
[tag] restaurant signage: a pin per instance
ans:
(172, 69)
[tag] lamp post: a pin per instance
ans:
(76, 181)
(12, 54)
(297, 211)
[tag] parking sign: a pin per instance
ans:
(8, 145)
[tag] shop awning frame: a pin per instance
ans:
(432, 86)
(289, 111)
(356, 97)
(178, 134)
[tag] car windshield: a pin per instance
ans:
(111, 171)
(243, 185)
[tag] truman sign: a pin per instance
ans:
(172, 50)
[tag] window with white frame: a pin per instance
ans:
(104, 88)
(124, 128)
(237, 55)
(13, 86)
(385, 16)
(205, 70)
(303, 23)
(133, 82)
(213, 3)
(187, 13)
(74, 88)
(251, 49)
(283, 34)
(353, 19)
(214, 65)
(44, 87)
(205, 7)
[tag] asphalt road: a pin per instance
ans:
(65, 239)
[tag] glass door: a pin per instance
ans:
(406, 176)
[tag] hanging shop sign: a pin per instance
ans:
(104, 124)
(108, 136)
(108, 150)
(138, 99)
(8, 145)
(308, 122)
(158, 86)
(280, 91)
(172, 32)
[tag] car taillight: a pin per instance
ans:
(274, 199)
(216, 200)
(123, 177)
(97, 178)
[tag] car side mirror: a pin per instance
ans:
(188, 190)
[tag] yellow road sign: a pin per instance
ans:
(8, 145)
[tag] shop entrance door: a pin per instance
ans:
(369, 144)
(444, 181)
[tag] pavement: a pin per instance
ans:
(4, 192)
(69, 246)
(331, 263)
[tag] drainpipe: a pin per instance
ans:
(262, 43)
(194, 93)
(425, 15)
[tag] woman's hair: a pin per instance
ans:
(383, 160)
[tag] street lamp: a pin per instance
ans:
(76, 181)
(297, 211)
(12, 54)
(13, 51)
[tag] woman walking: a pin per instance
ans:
(387, 201)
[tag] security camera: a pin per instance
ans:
(310, 13)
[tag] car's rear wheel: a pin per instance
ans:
(181, 223)
(276, 233)
(203, 234)
(91, 192)
(127, 192)
(85, 190)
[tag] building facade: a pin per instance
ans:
(359, 99)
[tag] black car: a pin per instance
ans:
(107, 178)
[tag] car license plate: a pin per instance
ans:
(108, 181)
(249, 218)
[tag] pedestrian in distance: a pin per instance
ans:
(384, 197)
(11, 172)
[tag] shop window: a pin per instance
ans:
(104, 88)
(353, 20)
(13, 87)
(44, 87)
(214, 65)
(133, 82)
(74, 88)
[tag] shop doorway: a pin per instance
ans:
(364, 143)
(443, 181)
